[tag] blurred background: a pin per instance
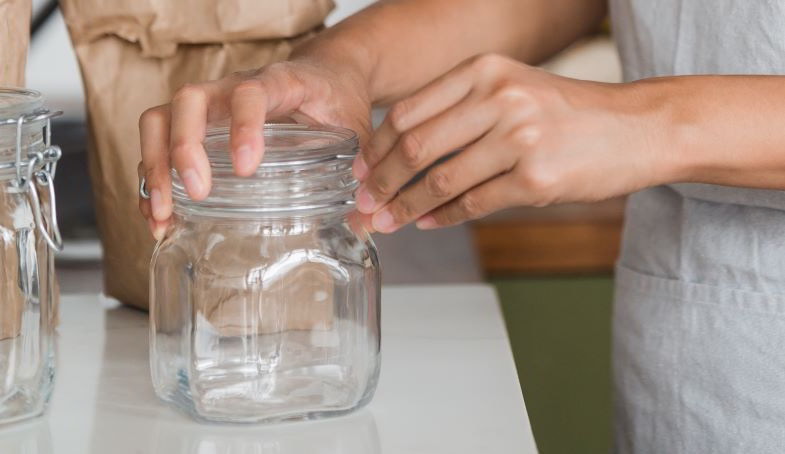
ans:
(551, 267)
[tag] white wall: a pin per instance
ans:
(52, 67)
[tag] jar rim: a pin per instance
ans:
(18, 101)
(288, 144)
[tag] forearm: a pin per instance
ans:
(397, 46)
(720, 129)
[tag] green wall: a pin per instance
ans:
(560, 334)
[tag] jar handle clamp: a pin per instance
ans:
(38, 170)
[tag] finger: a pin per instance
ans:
(366, 222)
(157, 229)
(188, 120)
(246, 132)
(275, 92)
(470, 168)
(421, 146)
(434, 98)
(483, 200)
(154, 140)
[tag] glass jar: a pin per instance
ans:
(264, 297)
(28, 237)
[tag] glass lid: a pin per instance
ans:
(287, 145)
(18, 101)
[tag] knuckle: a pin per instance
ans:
(438, 184)
(411, 151)
(526, 136)
(151, 116)
(189, 92)
(245, 88)
(403, 210)
(181, 152)
(512, 95)
(539, 184)
(469, 206)
(397, 116)
(381, 186)
(488, 65)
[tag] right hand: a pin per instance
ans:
(304, 90)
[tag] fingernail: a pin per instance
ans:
(245, 159)
(426, 223)
(157, 204)
(159, 232)
(360, 168)
(365, 202)
(192, 183)
(383, 221)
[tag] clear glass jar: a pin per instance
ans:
(264, 297)
(28, 238)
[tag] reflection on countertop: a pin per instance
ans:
(130, 411)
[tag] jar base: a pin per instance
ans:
(245, 411)
(21, 404)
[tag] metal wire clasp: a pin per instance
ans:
(38, 171)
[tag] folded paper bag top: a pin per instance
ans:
(159, 26)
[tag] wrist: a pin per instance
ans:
(667, 127)
(345, 57)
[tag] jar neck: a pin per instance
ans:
(27, 135)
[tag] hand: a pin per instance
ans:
(305, 90)
(529, 138)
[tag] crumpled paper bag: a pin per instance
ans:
(135, 54)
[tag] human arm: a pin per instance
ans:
(533, 138)
(379, 55)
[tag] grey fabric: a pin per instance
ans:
(699, 318)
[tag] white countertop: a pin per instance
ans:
(448, 385)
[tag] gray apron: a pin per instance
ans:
(699, 317)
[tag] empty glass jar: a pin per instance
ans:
(28, 236)
(265, 296)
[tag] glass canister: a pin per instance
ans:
(264, 297)
(28, 238)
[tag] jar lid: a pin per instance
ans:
(305, 169)
(287, 145)
(17, 101)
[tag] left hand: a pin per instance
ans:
(529, 138)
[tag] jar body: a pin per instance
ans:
(28, 290)
(265, 319)
(27, 305)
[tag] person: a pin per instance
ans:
(699, 318)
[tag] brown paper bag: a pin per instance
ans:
(135, 54)
(14, 36)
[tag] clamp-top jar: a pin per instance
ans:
(265, 296)
(28, 238)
